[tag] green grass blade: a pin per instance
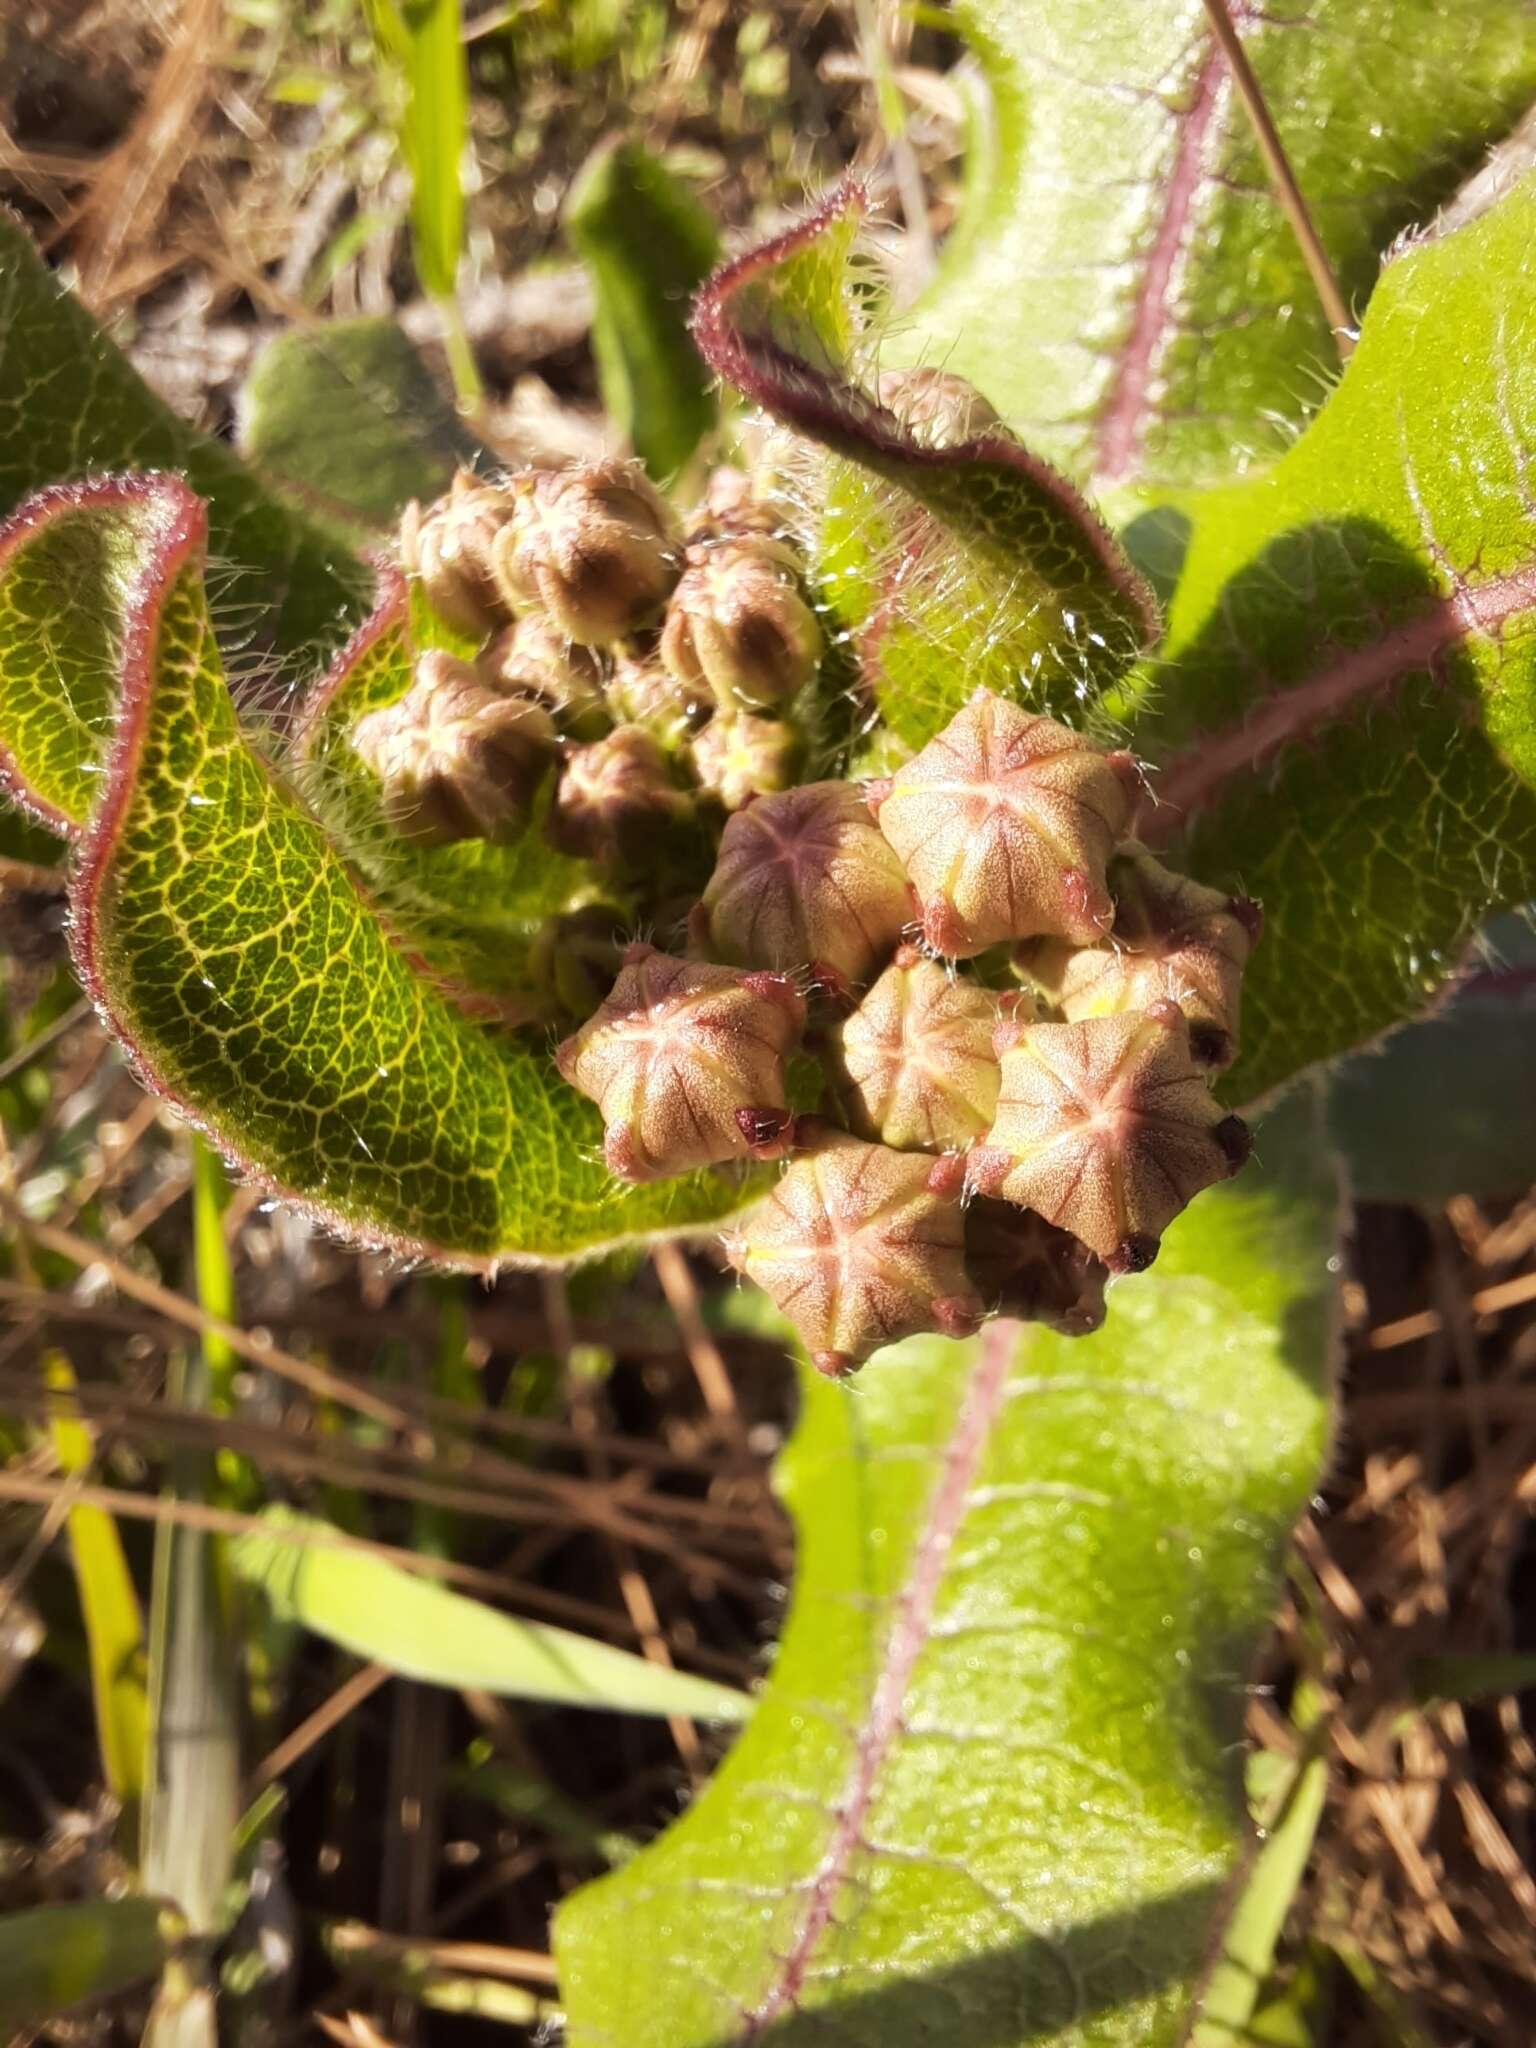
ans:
(54, 1958)
(109, 1605)
(380, 1611)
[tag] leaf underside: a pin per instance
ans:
(1122, 283)
(991, 1791)
(256, 986)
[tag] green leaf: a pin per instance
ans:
(345, 417)
(647, 245)
(1345, 707)
(72, 404)
(992, 1791)
(472, 908)
(225, 938)
(381, 1611)
(948, 566)
(54, 1958)
(1445, 1107)
(1122, 284)
(423, 38)
(109, 1604)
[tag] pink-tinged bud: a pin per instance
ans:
(616, 799)
(1005, 822)
(456, 760)
(738, 625)
(805, 879)
(596, 547)
(737, 759)
(531, 658)
(641, 692)
(447, 547)
(1171, 940)
(858, 1250)
(937, 407)
(1107, 1129)
(916, 1060)
(686, 1063)
(1023, 1266)
(733, 503)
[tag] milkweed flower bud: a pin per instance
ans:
(532, 658)
(456, 760)
(576, 957)
(737, 759)
(1005, 822)
(447, 547)
(614, 798)
(916, 1058)
(804, 879)
(641, 692)
(738, 624)
(937, 406)
(858, 1250)
(1171, 939)
(686, 1063)
(596, 547)
(1025, 1267)
(1107, 1129)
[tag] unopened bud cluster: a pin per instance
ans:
(974, 1020)
(647, 672)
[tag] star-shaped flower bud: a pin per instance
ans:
(858, 1249)
(448, 545)
(616, 799)
(738, 624)
(1005, 822)
(737, 759)
(1025, 1267)
(1107, 1129)
(456, 760)
(804, 879)
(596, 547)
(532, 658)
(937, 407)
(1171, 939)
(686, 1063)
(916, 1060)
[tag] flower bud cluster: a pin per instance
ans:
(1016, 1013)
(659, 666)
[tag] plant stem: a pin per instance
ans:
(467, 387)
(1282, 177)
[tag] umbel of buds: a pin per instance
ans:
(686, 1063)
(454, 759)
(977, 1151)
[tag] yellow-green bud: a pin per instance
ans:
(916, 1058)
(532, 658)
(737, 759)
(642, 693)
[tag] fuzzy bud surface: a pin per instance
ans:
(531, 658)
(1025, 1267)
(615, 796)
(737, 759)
(448, 546)
(858, 1250)
(596, 547)
(738, 625)
(1005, 822)
(1171, 939)
(917, 1060)
(804, 879)
(1107, 1129)
(937, 407)
(456, 760)
(686, 1063)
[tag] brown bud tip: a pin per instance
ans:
(914, 1063)
(596, 548)
(834, 1365)
(1005, 823)
(1236, 1140)
(805, 876)
(738, 624)
(959, 1316)
(454, 759)
(686, 1064)
(1250, 916)
(858, 1251)
(447, 548)
(532, 658)
(1171, 941)
(1108, 1127)
(1133, 1254)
